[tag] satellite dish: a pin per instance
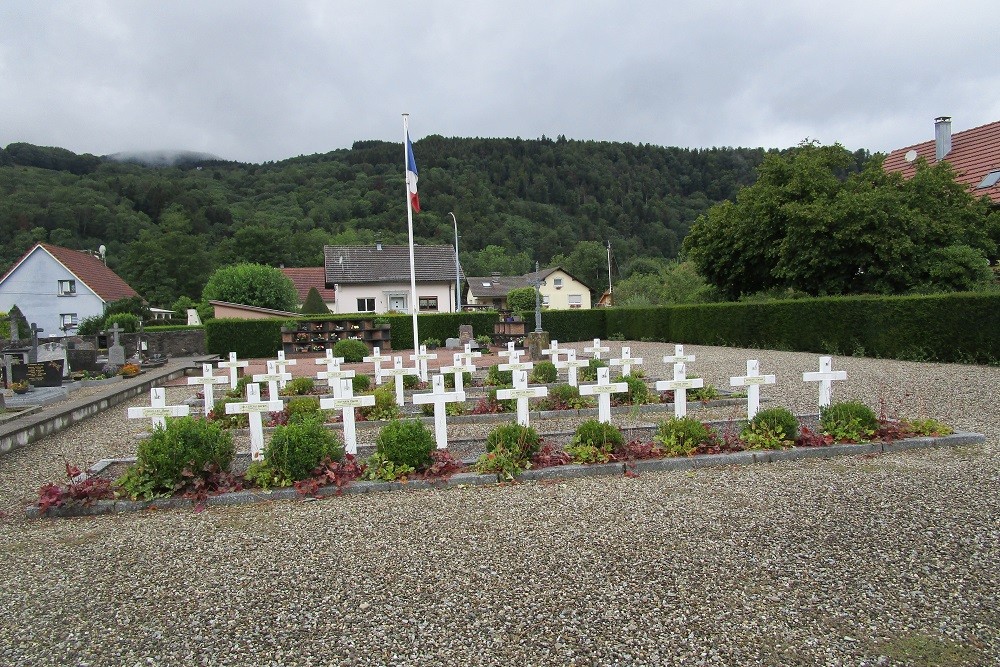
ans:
(911, 155)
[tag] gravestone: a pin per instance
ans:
(254, 407)
(272, 377)
(439, 398)
(465, 334)
(453, 343)
(825, 378)
(208, 382)
(335, 376)
(345, 401)
(572, 364)
(234, 365)
(158, 409)
(397, 372)
(521, 393)
(467, 358)
(752, 381)
(627, 361)
(45, 373)
(33, 351)
(116, 352)
(603, 390)
(553, 351)
(596, 349)
(421, 359)
(376, 358)
(679, 385)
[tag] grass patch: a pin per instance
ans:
(928, 651)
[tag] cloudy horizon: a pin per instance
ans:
(258, 81)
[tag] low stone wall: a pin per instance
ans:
(82, 350)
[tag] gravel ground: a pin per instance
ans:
(852, 561)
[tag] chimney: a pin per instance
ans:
(942, 137)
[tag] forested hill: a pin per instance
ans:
(166, 229)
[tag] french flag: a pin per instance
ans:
(411, 175)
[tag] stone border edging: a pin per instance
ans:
(569, 471)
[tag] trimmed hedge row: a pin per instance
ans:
(567, 326)
(249, 339)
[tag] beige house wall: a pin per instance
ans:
(385, 295)
(559, 296)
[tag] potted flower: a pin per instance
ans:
(20, 387)
(432, 343)
(129, 370)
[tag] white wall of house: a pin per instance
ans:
(34, 287)
(383, 297)
(564, 292)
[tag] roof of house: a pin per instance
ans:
(974, 154)
(388, 263)
(308, 277)
(496, 287)
(87, 268)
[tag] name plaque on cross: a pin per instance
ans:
(753, 381)
(522, 393)
(158, 410)
(603, 390)
(680, 384)
(825, 377)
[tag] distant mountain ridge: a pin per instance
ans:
(164, 158)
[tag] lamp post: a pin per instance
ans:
(458, 270)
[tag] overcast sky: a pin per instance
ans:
(265, 80)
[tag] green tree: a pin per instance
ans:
(809, 224)
(314, 304)
(252, 285)
(521, 298)
(587, 262)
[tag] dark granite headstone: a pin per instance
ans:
(46, 373)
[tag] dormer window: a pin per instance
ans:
(67, 288)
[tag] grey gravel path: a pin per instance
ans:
(852, 561)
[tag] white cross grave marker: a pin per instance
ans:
(678, 357)
(603, 389)
(679, 385)
(752, 381)
(553, 351)
(572, 363)
(280, 365)
(397, 372)
(511, 354)
(158, 409)
(466, 358)
(522, 392)
(825, 377)
(421, 358)
(233, 365)
(346, 401)
(627, 361)
(376, 357)
(439, 397)
(333, 376)
(517, 365)
(596, 349)
(253, 406)
(272, 377)
(208, 382)
(328, 359)
(457, 369)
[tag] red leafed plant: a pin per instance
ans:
(337, 473)
(809, 438)
(443, 465)
(212, 482)
(78, 487)
(548, 456)
(634, 450)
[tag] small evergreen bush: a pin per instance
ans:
(638, 392)
(496, 377)
(589, 372)
(299, 386)
(385, 407)
(240, 391)
(774, 428)
(850, 421)
(302, 407)
(352, 350)
(219, 416)
(594, 442)
(564, 397)
(406, 442)
(411, 381)
(362, 384)
(682, 436)
(509, 449)
(544, 372)
(449, 380)
(294, 451)
(171, 457)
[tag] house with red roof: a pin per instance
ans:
(57, 287)
(973, 154)
(306, 278)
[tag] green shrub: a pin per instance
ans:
(219, 416)
(594, 442)
(352, 350)
(638, 392)
(682, 436)
(379, 468)
(706, 393)
(431, 343)
(509, 449)
(90, 326)
(564, 397)
(926, 427)
(411, 381)
(506, 404)
(544, 372)
(302, 407)
(361, 384)
(589, 372)
(496, 377)
(127, 321)
(171, 457)
(449, 380)
(299, 386)
(385, 407)
(850, 421)
(294, 451)
(406, 442)
(240, 391)
(484, 340)
(774, 428)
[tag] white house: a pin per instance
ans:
(560, 290)
(376, 279)
(57, 287)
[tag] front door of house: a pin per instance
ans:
(397, 303)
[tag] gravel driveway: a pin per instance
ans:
(892, 559)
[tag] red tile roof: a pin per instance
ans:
(309, 277)
(974, 154)
(88, 269)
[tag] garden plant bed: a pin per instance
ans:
(467, 477)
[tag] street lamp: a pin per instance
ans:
(458, 270)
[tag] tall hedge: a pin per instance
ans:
(249, 339)
(567, 326)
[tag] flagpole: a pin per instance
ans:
(409, 226)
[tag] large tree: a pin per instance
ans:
(252, 285)
(809, 225)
